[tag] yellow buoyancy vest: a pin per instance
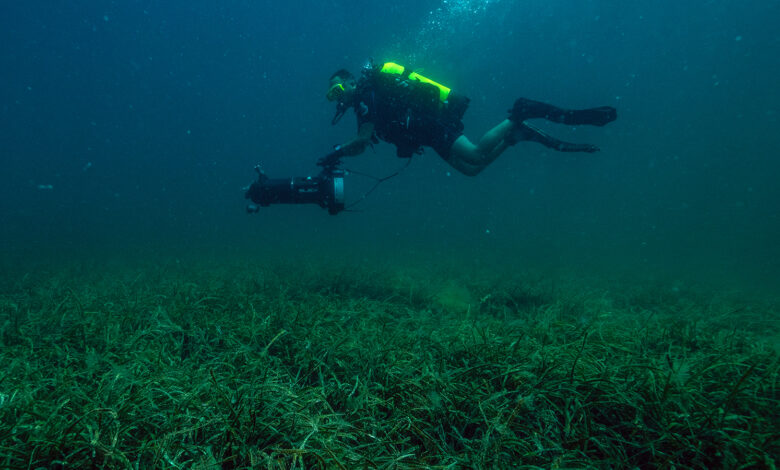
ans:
(395, 69)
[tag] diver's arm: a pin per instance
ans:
(358, 145)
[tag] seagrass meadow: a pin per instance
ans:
(287, 368)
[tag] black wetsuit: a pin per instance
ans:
(409, 113)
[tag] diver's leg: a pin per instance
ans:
(471, 159)
(492, 144)
(525, 131)
(530, 109)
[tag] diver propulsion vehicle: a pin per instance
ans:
(326, 189)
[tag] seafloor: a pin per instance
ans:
(284, 366)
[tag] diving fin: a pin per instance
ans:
(529, 109)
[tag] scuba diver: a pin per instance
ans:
(404, 108)
(400, 106)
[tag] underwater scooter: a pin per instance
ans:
(326, 189)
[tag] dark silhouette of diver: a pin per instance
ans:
(397, 105)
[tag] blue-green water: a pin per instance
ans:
(127, 130)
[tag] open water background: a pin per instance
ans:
(128, 128)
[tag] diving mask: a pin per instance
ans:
(335, 92)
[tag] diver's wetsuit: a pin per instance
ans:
(409, 114)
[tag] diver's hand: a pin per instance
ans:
(332, 158)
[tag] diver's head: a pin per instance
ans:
(341, 86)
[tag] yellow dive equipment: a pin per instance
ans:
(395, 69)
